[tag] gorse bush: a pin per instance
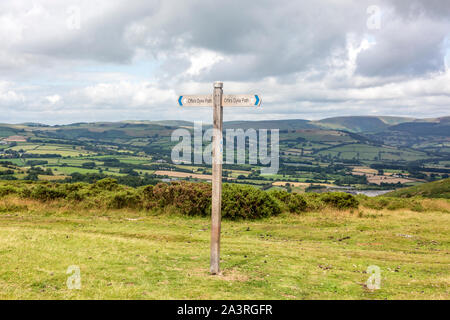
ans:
(238, 202)
(45, 193)
(293, 202)
(107, 184)
(245, 202)
(188, 198)
(340, 200)
(297, 203)
(124, 199)
(6, 190)
(281, 195)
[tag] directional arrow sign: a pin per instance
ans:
(241, 100)
(230, 100)
(196, 101)
(220, 100)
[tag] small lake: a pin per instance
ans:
(369, 193)
(372, 193)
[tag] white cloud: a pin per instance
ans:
(8, 95)
(125, 94)
(201, 61)
(131, 58)
(53, 99)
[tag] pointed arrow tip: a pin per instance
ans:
(257, 100)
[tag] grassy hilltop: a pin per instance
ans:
(145, 243)
(436, 189)
(91, 195)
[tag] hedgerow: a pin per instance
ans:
(6, 190)
(293, 202)
(188, 198)
(340, 200)
(245, 202)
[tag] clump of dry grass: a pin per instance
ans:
(442, 205)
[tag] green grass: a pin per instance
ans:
(368, 152)
(14, 161)
(63, 150)
(70, 170)
(436, 189)
(6, 132)
(143, 255)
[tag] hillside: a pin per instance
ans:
(6, 131)
(361, 123)
(309, 153)
(296, 124)
(440, 127)
(144, 243)
(436, 189)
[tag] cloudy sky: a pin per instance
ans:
(102, 60)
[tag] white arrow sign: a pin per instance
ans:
(196, 101)
(229, 100)
(241, 100)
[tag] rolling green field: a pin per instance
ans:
(63, 150)
(367, 152)
(325, 151)
(129, 254)
(436, 189)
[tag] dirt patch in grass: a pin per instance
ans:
(226, 274)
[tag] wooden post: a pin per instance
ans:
(216, 177)
(218, 100)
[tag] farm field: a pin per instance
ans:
(130, 254)
(63, 150)
(299, 184)
(366, 152)
(387, 179)
(139, 153)
(388, 176)
(177, 174)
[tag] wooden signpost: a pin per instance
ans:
(218, 100)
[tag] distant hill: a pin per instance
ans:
(396, 120)
(6, 131)
(425, 135)
(298, 124)
(436, 189)
(173, 123)
(361, 123)
(34, 124)
(119, 132)
(437, 127)
(436, 120)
